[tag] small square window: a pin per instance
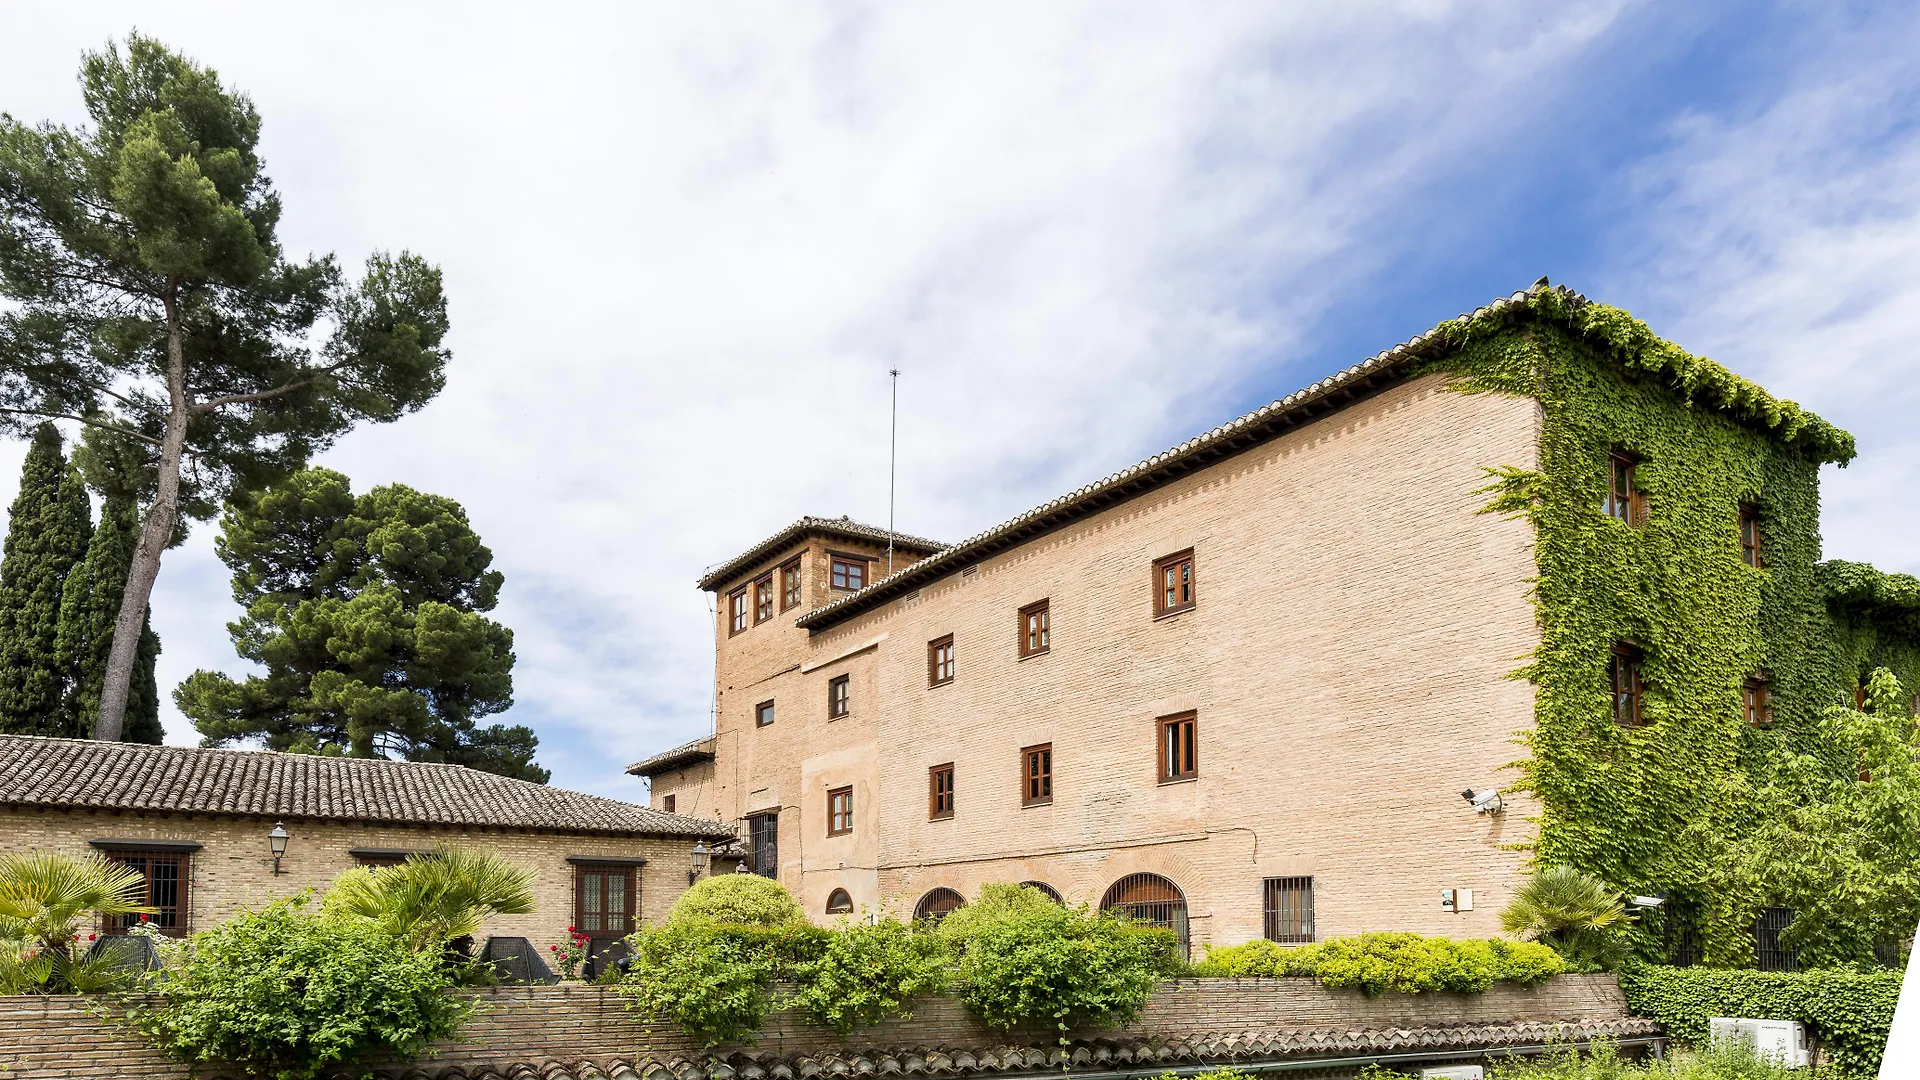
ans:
(763, 714)
(940, 660)
(763, 600)
(1036, 775)
(1750, 535)
(1757, 701)
(790, 585)
(838, 697)
(1173, 583)
(1036, 631)
(1623, 678)
(737, 611)
(1179, 747)
(1289, 909)
(940, 792)
(840, 811)
(849, 572)
(1624, 501)
(667, 804)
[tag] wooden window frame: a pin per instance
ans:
(762, 598)
(1177, 740)
(940, 661)
(1630, 505)
(940, 792)
(840, 811)
(1752, 537)
(839, 697)
(790, 594)
(1756, 700)
(1036, 638)
(1298, 930)
(737, 609)
(630, 898)
(1625, 677)
(841, 568)
(182, 907)
(763, 714)
(1161, 607)
(1036, 774)
(667, 803)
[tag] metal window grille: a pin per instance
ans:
(937, 905)
(1051, 892)
(763, 832)
(1288, 909)
(1768, 953)
(1681, 932)
(1150, 899)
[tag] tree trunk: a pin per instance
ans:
(156, 532)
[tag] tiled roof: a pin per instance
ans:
(1145, 1056)
(815, 526)
(1269, 421)
(680, 756)
(36, 771)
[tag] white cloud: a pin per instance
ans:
(684, 244)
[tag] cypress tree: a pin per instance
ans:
(89, 605)
(47, 530)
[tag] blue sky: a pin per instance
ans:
(684, 243)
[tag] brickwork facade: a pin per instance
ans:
(1346, 661)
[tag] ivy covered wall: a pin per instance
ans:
(1652, 807)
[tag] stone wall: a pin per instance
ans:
(68, 1038)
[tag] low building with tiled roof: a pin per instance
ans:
(197, 822)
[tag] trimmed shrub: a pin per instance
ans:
(737, 900)
(1848, 1011)
(866, 972)
(292, 995)
(1403, 963)
(1058, 966)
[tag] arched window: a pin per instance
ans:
(1053, 894)
(937, 905)
(839, 903)
(1150, 899)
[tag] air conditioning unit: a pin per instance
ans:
(1783, 1042)
(1455, 1072)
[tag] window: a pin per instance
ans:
(1173, 583)
(840, 811)
(839, 701)
(790, 585)
(737, 609)
(1623, 500)
(379, 858)
(667, 804)
(940, 661)
(1623, 676)
(1757, 701)
(1036, 775)
(1750, 534)
(603, 900)
(1035, 632)
(763, 832)
(1149, 899)
(940, 792)
(763, 714)
(937, 905)
(1178, 743)
(165, 889)
(1681, 931)
(1768, 953)
(763, 600)
(849, 572)
(839, 902)
(1045, 889)
(1288, 909)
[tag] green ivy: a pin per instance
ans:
(1653, 807)
(1848, 1012)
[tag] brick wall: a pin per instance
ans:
(64, 1038)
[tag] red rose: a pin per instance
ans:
(91, 937)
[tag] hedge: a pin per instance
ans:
(1398, 962)
(1848, 1011)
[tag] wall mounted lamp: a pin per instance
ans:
(277, 843)
(700, 858)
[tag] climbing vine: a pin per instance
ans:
(1652, 807)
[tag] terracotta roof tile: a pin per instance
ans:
(815, 526)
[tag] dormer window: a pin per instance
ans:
(849, 572)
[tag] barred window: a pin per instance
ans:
(1289, 909)
(763, 832)
(1768, 953)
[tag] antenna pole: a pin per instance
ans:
(893, 454)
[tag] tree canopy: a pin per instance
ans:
(47, 532)
(366, 613)
(150, 301)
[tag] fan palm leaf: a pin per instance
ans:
(1559, 900)
(44, 895)
(437, 897)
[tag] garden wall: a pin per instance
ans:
(71, 1038)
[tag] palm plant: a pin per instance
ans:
(1572, 912)
(435, 899)
(43, 898)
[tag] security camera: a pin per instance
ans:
(1484, 802)
(1647, 901)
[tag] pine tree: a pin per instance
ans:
(89, 605)
(47, 532)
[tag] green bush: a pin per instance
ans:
(1848, 1011)
(1403, 963)
(737, 900)
(1603, 1062)
(996, 903)
(1058, 966)
(715, 981)
(292, 995)
(866, 972)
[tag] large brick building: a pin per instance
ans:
(1239, 687)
